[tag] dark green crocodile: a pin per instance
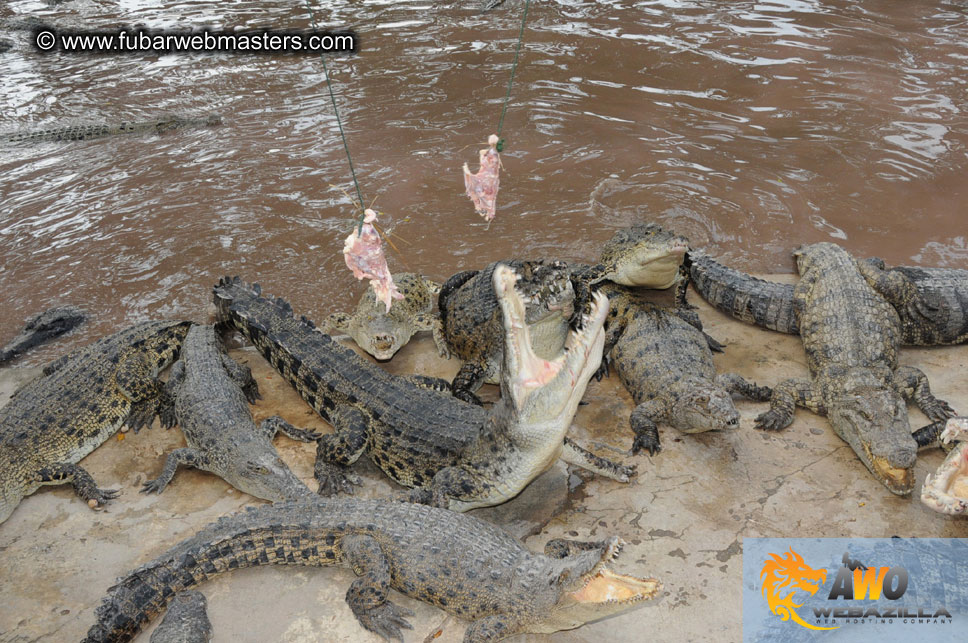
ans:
(210, 391)
(456, 562)
(939, 317)
(85, 132)
(81, 401)
(41, 327)
(666, 363)
(456, 454)
(642, 255)
(852, 337)
(381, 333)
(186, 620)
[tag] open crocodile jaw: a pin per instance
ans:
(568, 373)
(946, 490)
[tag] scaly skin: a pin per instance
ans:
(852, 335)
(947, 490)
(381, 333)
(932, 302)
(411, 427)
(210, 390)
(643, 255)
(666, 363)
(81, 401)
(471, 321)
(186, 620)
(86, 132)
(41, 327)
(455, 562)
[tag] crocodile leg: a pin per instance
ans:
(429, 321)
(79, 478)
(787, 395)
(928, 435)
(367, 595)
(691, 317)
(135, 378)
(642, 421)
(734, 383)
(450, 483)
(913, 385)
(273, 425)
(430, 383)
(186, 456)
(468, 379)
(336, 451)
(576, 455)
(902, 293)
(242, 376)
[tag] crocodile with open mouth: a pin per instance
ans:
(470, 568)
(455, 454)
(946, 491)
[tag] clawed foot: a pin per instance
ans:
(154, 486)
(938, 410)
(333, 480)
(772, 421)
(143, 413)
(101, 496)
(646, 442)
(251, 391)
(387, 620)
(624, 472)
(602, 369)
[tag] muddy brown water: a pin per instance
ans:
(749, 127)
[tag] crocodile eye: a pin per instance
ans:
(702, 399)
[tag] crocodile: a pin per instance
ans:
(86, 132)
(453, 453)
(186, 620)
(468, 567)
(947, 490)
(41, 327)
(936, 314)
(55, 420)
(666, 363)
(642, 255)
(381, 333)
(210, 391)
(852, 337)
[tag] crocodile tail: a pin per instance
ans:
(764, 303)
(243, 540)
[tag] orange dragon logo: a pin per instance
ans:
(790, 572)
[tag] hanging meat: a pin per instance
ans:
(482, 187)
(364, 256)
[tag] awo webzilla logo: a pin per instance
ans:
(787, 578)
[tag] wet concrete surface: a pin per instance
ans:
(684, 516)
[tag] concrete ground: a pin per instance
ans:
(684, 516)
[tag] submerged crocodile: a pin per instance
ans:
(85, 132)
(81, 401)
(381, 333)
(946, 491)
(936, 314)
(666, 363)
(642, 255)
(456, 562)
(186, 620)
(210, 391)
(456, 454)
(41, 327)
(852, 337)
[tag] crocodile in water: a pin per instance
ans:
(210, 390)
(456, 454)
(852, 337)
(85, 132)
(41, 327)
(456, 562)
(81, 401)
